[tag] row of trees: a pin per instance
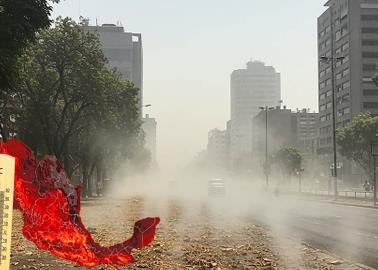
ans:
(63, 100)
(354, 143)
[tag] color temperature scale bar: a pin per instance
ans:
(7, 166)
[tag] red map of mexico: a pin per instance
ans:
(50, 206)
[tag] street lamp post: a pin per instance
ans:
(374, 153)
(332, 60)
(299, 173)
(266, 166)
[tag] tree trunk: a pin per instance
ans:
(85, 178)
(99, 176)
(4, 132)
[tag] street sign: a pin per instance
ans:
(339, 165)
(7, 166)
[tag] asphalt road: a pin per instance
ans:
(347, 231)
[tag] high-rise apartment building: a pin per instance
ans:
(256, 86)
(306, 130)
(347, 32)
(124, 52)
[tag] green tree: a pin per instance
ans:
(20, 20)
(289, 160)
(60, 83)
(69, 104)
(354, 140)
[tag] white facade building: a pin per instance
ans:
(256, 86)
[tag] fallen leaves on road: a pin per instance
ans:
(200, 240)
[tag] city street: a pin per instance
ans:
(348, 231)
(195, 234)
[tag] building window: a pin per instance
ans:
(338, 76)
(371, 92)
(346, 110)
(371, 105)
(338, 35)
(345, 46)
(328, 82)
(369, 17)
(346, 85)
(369, 67)
(369, 54)
(338, 51)
(344, 31)
(329, 105)
(322, 73)
(369, 30)
(346, 97)
(323, 119)
(369, 42)
(329, 93)
(322, 96)
(345, 59)
(345, 72)
(322, 107)
(322, 85)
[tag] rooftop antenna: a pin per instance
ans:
(96, 22)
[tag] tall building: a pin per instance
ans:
(286, 128)
(217, 147)
(281, 131)
(257, 85)
(149, 128)
(306, 130)
(347, 30)
(124, 52)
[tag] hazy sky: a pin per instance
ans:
(191, 48)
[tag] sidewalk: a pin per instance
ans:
(341, 200)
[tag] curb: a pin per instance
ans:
(341, 203)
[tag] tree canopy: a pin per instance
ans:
(354, 140)
(68, 103)
(20, 20)
(289, 160)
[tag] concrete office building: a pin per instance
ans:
(281, 131)
(286, 128)
(124, 52)
(257, 85)
(347, 29)
(306, 126)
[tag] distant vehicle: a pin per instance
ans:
(216, 188)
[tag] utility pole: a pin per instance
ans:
(266, 166)
(333, 106)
